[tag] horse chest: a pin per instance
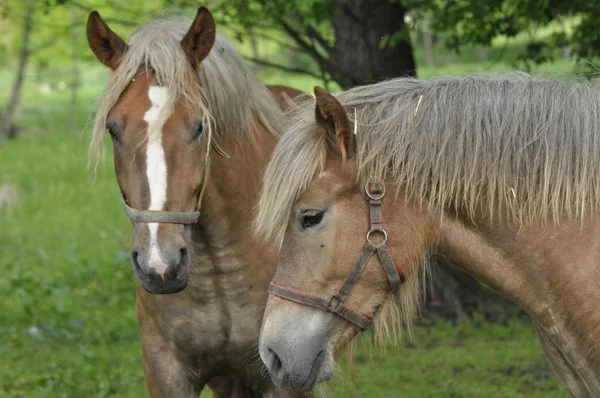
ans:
(216, 319)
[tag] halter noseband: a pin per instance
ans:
(174, 217)
(158, 216)
(336, 301)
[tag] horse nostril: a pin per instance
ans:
(134, 260)
(184, 257)
(275, 362)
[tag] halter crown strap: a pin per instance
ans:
(336, 301)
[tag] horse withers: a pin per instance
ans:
(192, 129)
(499, 175)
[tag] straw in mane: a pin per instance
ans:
(224, 89)
(512, 147)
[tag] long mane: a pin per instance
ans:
(230, 96)
(513, 147)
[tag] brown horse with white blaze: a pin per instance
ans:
(499, 175)
(192, 129)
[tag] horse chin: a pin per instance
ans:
(166, 288)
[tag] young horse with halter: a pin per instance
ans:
(500, 176)
(176, 93)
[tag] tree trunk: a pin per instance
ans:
(362, 29)
(7, 128)
(428, 43)
(254, 47)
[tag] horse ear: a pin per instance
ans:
(106, 44)
(200, 38)
(333, 120)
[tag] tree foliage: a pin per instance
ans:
(308, 26)
(549, 25)
(52, 31)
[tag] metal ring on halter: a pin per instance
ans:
(377, 230)
(372, 195)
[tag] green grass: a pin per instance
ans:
(67, 324)
(471, 359)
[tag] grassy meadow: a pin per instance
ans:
(67, 324)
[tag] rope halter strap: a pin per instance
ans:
(158, 216)
(335, 302)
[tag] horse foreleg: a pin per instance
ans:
(561, 367)
(164, 375)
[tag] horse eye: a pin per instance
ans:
(111, 132)
(199, 130)
(310, 218)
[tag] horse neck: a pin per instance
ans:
(551, 271)
(227, 208)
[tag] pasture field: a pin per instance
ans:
(67, 322)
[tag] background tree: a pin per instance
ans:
(574, 24)
(352, 42)
(7, 128)
(47, 34)
(344, 36)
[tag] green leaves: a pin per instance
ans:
(549, 25)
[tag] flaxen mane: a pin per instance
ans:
(229, 96)
(507, 146)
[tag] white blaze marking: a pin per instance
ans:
(156, 169)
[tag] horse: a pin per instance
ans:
(177, 93)
(498, 174)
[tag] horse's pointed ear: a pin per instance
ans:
(106, 44)
(333, 120)
(200, 38)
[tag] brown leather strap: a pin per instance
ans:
(330, 304)
(336, 301)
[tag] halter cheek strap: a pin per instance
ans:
(336, 301)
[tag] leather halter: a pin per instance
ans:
(335, 302)
(158, 216)
(174, 217)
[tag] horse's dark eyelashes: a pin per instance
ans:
(199, 130)
(311, 218)
(112, 132)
